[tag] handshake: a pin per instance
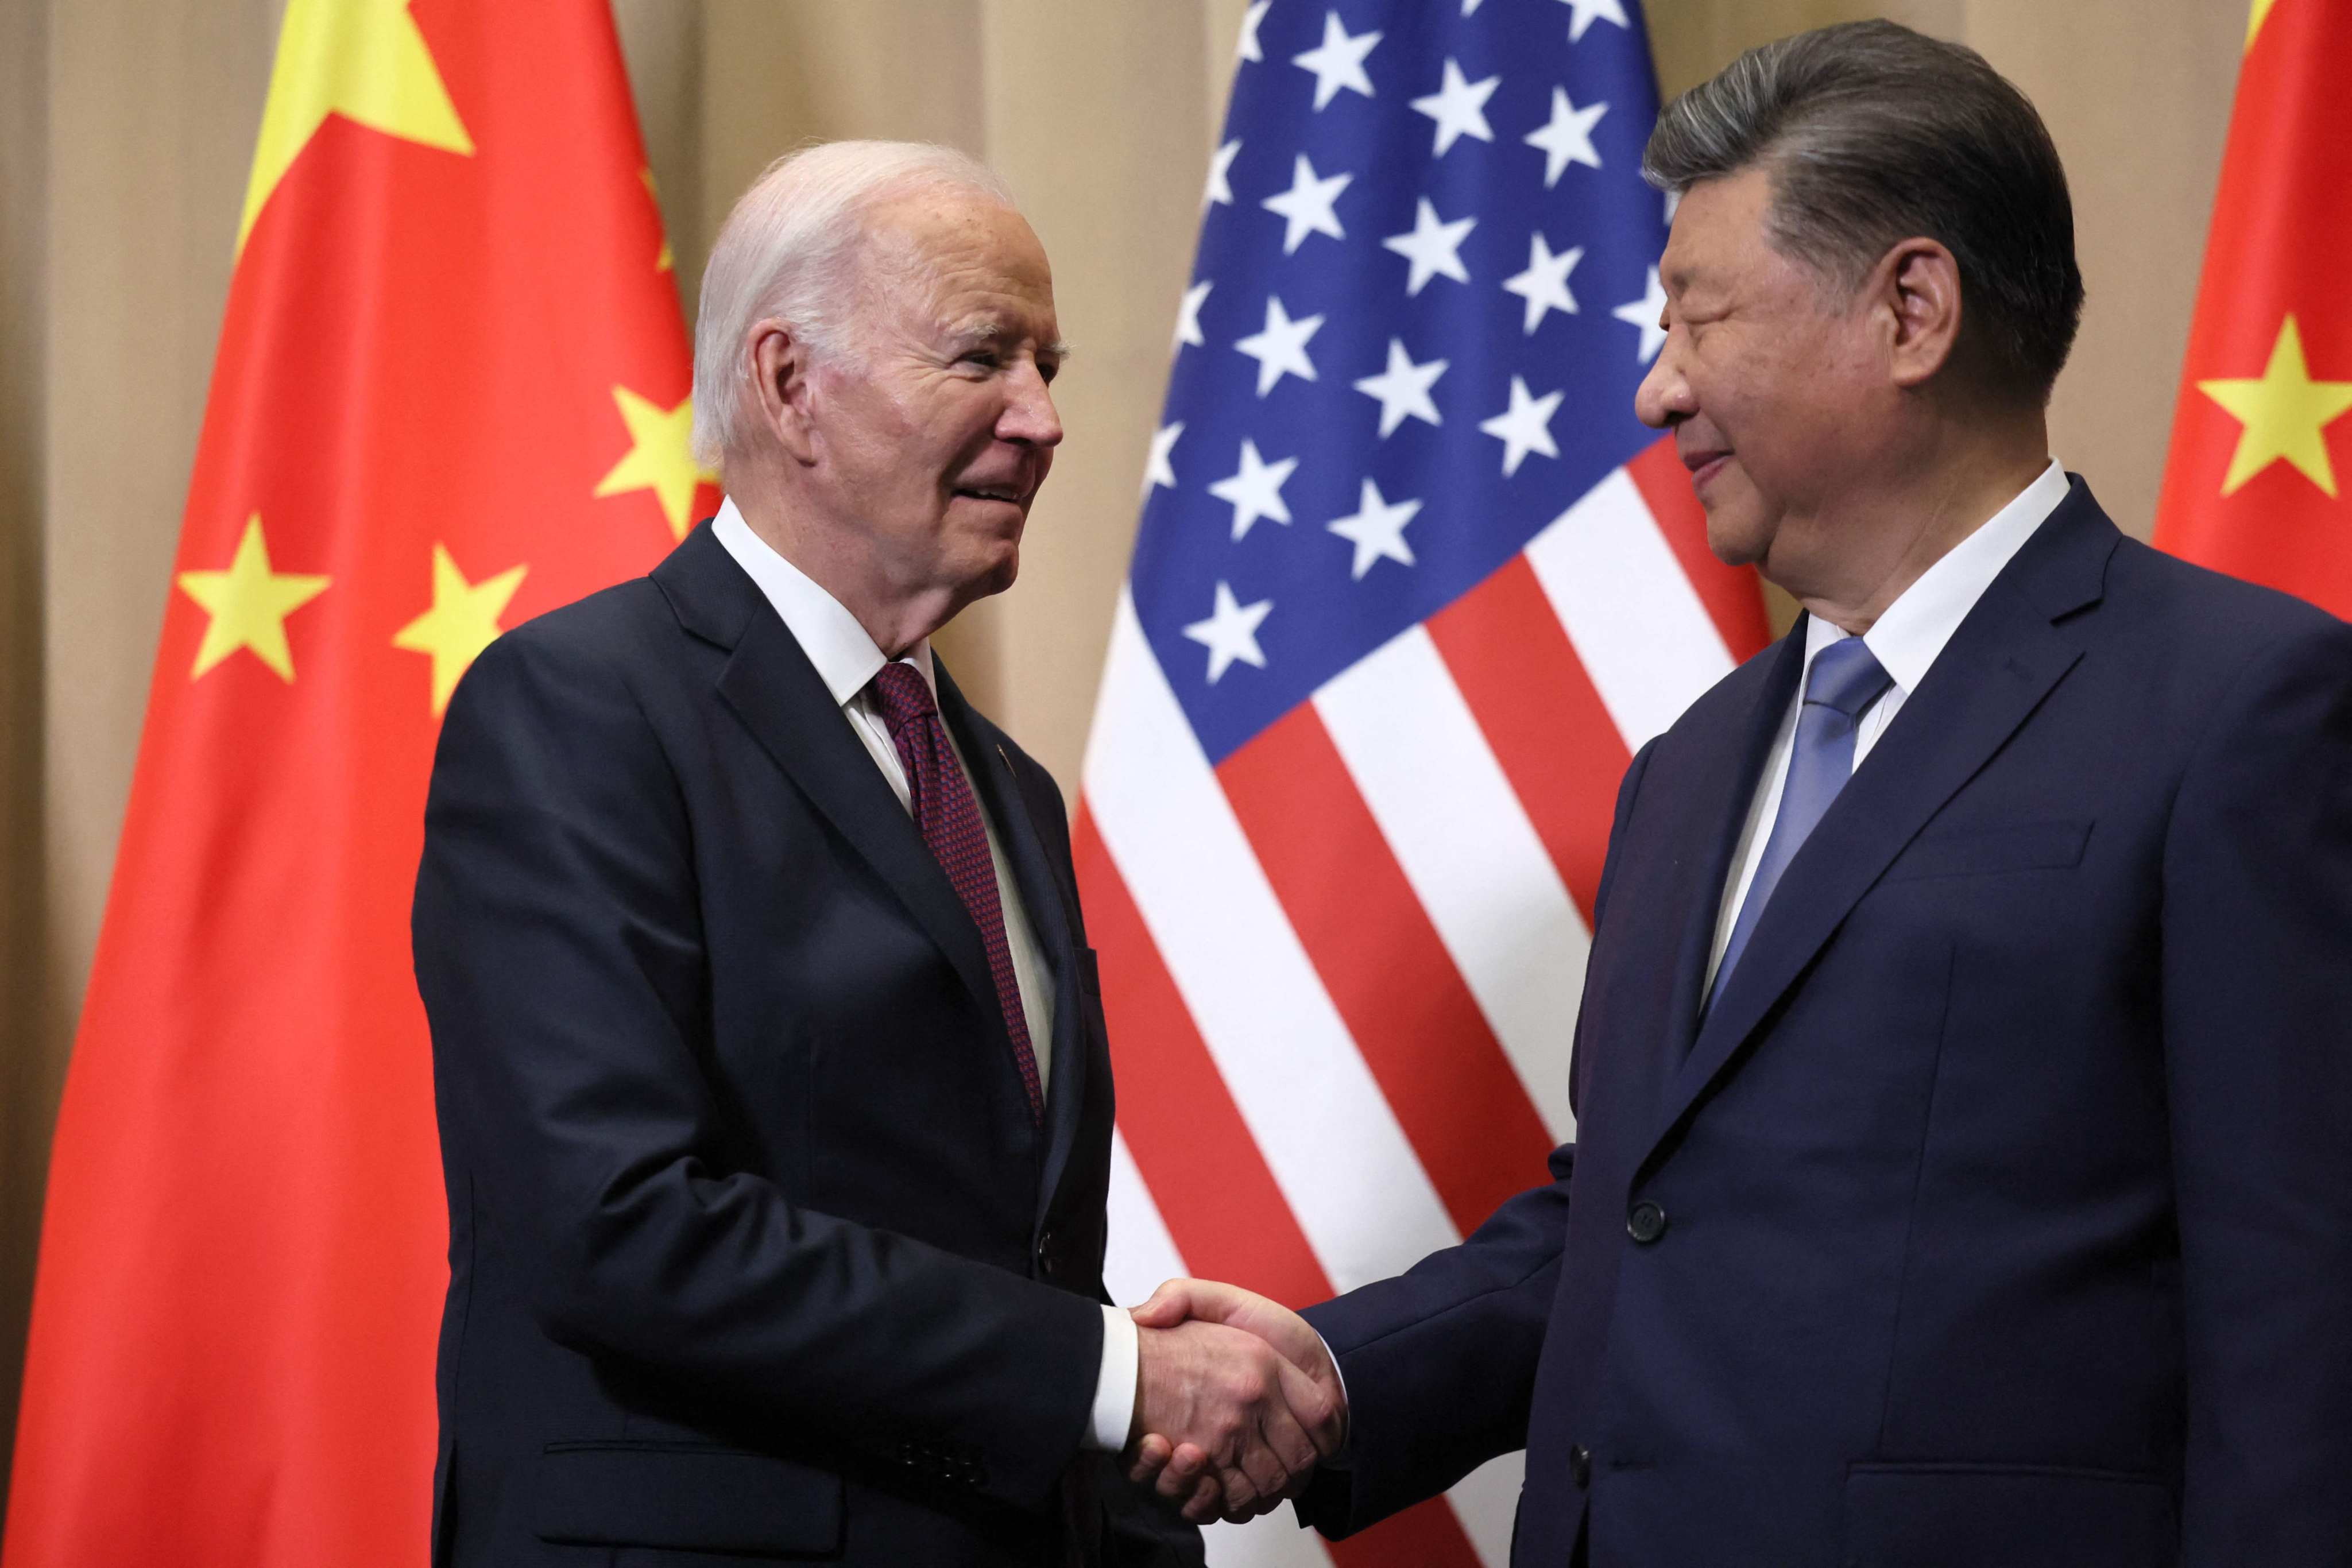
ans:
(1236, 1401)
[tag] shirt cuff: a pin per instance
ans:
(1344, 1458)
(1115, 1389)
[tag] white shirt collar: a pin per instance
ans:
(846, 658)
(1913, 630)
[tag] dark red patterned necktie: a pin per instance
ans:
(949, 817)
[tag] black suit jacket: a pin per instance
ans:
(1998, 1210)
(755, 1249)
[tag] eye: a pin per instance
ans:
(986, 358)
(1048, 369)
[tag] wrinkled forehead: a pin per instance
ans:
(949, 253)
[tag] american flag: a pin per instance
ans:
(1412, 585)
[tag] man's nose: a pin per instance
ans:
(1664, 399)
(1029, 414)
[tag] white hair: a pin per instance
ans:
(786, 253)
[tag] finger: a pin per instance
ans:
(1184, 1473)
(1250, 1473)
(1152, 1456)
(1262, 1458)
(1288, 1444)
(1258, 1507)
(1170, 1304)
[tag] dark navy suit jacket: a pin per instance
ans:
(1998, 1213)
(755, 1250)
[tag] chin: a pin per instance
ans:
(1734, 540)
(997, 574)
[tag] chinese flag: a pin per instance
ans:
(451, 392)
(2262, 450)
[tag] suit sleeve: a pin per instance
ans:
(558, 951)
(1440, 1362)
(2257, 999)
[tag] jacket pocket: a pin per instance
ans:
(689, 1497)
(2015, 1516)
(1978, 852)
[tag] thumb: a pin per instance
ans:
(1169, 1306)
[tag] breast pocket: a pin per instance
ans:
(1985, 850)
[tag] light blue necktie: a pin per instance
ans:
(1845, 679)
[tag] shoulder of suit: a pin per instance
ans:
(599, 615)
(608, 632)
(2199, 607)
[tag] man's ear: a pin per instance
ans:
(1917, 281)
(780, 382)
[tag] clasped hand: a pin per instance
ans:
(1236, 1400)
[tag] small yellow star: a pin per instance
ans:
(660, 459)
(2285, 414)
(462, 622)
(663, 262)
(248, 604)
(2254, 20)
(364, 59)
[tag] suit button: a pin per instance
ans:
(1646, 1222)
(1580, 1465)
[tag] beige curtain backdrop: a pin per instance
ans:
(126, 127)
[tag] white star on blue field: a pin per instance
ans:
(1426, 291)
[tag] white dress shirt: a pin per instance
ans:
(846, 660)
(1904, 640)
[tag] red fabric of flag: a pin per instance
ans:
(450, 394)
(2257, 481)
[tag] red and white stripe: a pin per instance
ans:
(1342, 968)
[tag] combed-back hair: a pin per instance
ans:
(1872, 134)
(790, 251)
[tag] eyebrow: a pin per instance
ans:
(989, 330)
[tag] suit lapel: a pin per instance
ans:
(987, 757)
(776, 693)
(1997, 669)
(1737, 761)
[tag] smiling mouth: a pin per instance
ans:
(1009, 494)
(1704, 465)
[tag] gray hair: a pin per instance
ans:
(1872, 134)
(788, 252)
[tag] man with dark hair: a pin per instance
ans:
(1964, 1177)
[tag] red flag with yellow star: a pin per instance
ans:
(450, 394)
(2261, 449)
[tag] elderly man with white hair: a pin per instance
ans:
(774, 1101)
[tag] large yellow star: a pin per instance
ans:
(462, 622)
(2285, 414)
(661, 456)
(248, 604)
(364, 59)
